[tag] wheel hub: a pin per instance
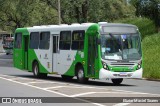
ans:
(80, 74)
(36, 70)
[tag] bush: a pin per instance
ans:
(151, 56)
(146, 26)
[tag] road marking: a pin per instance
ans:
(80, 86)
(54, 87)
(86, 93)
(33, 86)
(122, 104)
(39, 82)
(98, 104)
(88, 86)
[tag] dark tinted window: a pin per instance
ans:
(34, 40)
(18, 40)
(44, 40)
(55, 44)
(78, 40)
(65, 40)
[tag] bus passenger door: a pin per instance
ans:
(55, 51)
(18, 51)
(25, 52)
(91, 56)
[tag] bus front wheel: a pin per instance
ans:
(36, 72)
(117, 81)
(80, 75)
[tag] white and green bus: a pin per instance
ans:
(89, 50)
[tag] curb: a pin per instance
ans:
(150, 79)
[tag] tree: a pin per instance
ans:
(23, 13)
(149, 9)
(81, 11)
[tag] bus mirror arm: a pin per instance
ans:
(98, 41)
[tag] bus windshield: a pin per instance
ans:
(121, 47)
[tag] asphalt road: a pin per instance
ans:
(17, 83)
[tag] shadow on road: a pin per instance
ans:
(74, 81)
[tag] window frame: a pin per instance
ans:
(79, 31)
(30, 40)
(70, 41)
(15, 45)
(40, 34)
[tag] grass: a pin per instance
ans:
(151, 56)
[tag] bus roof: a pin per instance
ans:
(57, 28)
(118, 25)
(105, 27)
(65, 26)
(118, 28)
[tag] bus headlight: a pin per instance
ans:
(105, 66)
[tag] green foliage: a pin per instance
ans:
(80, 11)
(117, 9)
(150, 9)
(151, 60)
(22, 13)
(146, 26)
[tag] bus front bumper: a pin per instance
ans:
(104, 74)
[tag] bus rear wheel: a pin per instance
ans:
(36, 72)
(117, 81)
(80, 75)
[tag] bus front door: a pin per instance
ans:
(91, 56)
(26, 52)
(55, 51)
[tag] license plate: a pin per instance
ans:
(122, 73)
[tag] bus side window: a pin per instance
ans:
(44, 40)
(65, 40)
(18, 40)
(34, 40)
(78, 40)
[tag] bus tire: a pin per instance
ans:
(80, 75)
(36, 72)
(117, 81)
(65, 77)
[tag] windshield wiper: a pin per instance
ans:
(118, 43)
(111, 35)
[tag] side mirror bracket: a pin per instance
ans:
(98, 41)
